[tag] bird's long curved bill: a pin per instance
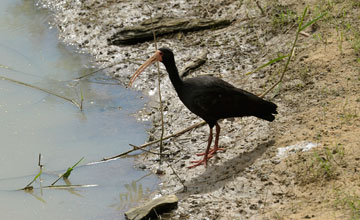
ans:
(154, 58)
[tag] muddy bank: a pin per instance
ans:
(248, 180)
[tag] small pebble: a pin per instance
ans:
(142, 166)
(160, 172)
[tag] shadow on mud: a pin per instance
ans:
(216, 176)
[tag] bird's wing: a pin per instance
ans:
(212, 99)
(222, 102)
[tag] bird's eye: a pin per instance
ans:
(161, 53)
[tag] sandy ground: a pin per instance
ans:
(318, 103)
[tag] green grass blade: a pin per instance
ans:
(267, 64)
(68, 171)
(313, 21)
(28, 186)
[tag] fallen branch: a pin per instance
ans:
(156, 141)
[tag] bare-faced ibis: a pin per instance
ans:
(211, 99)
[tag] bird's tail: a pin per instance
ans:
(266, 110)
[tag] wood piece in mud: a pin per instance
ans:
(194, 64)
(162, 26)
(153, 208)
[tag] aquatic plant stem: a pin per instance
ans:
(41, 89)
(28, 186)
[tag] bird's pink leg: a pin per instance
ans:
(216, 148)
(206, 154)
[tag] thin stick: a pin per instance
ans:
(159, 91)
(70, 186)
(259, 6)
(93, 72)
(39, 163)
(98, 70)
(156, 141)
(178, 177)
(147, 151)
(41, 89)
(289, 57)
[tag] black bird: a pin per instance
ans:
(211, 99)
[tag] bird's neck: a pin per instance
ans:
(174, 75)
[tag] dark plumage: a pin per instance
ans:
(211, 98)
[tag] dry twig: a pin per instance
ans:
(156, 141)
(159, 90)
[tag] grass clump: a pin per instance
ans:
(350, 202)
(320, 166)
(348, 114)
(283, 17)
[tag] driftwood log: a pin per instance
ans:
(162, 26)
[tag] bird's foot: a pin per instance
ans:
(211, 151)
(198, 163)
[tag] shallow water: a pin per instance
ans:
(33, 122)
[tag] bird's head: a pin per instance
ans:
(166, 54)
(163, 55)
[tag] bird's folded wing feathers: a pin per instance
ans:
(223, 103)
